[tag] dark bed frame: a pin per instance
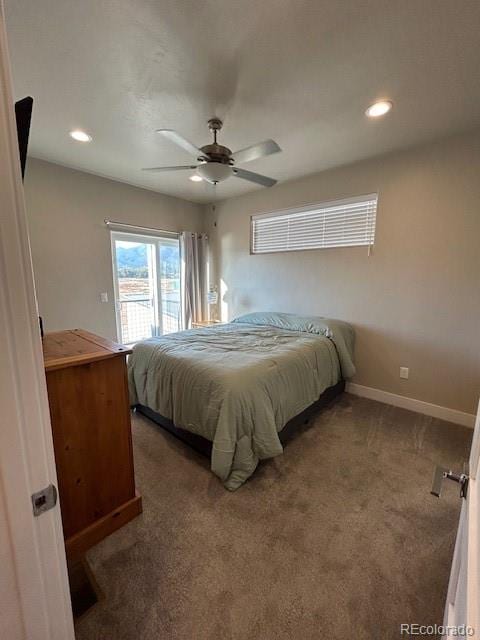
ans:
(204, 446)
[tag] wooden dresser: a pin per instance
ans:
(90, 414)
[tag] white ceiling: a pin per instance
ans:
(299, 71)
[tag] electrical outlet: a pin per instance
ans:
(104, 297)
(404, 371)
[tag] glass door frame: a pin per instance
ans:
(155, 241)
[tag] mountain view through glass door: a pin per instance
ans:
(147, 286)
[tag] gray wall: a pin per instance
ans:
(71, 244)
(414, 302)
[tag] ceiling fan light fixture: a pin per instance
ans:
(214, 172)
(378, 109)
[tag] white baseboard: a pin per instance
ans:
(434, 410)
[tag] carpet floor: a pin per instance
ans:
(337, 538)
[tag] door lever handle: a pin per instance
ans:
(441, 474)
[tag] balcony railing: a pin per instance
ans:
(171, 311)
(137, 319)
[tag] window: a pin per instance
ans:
(147, 285)
(338, 223)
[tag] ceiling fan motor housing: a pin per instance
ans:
(217, 153)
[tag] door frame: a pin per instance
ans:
(37, 604)
(155, 239)
(157, 299)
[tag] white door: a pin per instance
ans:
(146, 272)
(463, 606)
(34, 595)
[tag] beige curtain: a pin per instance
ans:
(195, 261)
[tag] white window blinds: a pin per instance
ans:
(338, 223)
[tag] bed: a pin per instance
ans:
(237, 385)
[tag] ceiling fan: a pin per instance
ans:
(217, 162)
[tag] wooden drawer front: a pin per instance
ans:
(92, 439)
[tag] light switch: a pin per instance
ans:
(404, 371)
(104, 297)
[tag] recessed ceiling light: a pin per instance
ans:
(195, 178)
(80, 136)
(379, 108)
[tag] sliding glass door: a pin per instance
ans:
(147, 285)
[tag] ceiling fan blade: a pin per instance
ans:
(265, 148)
(253, 177)
(179, 168)
(180, 141)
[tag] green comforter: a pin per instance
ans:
(238, 384)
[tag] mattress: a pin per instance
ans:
(238, 384)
